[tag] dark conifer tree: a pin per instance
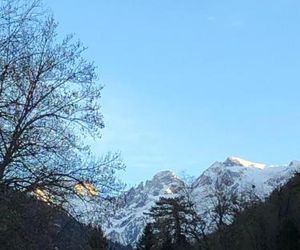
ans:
(288, 237)
(147, 239)
(167, 244)
(97, 240)
(171, 218)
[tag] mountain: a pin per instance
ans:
(234, 173)
(129, 219)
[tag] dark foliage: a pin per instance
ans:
(27, 223)
(147, 240)
(118, 246)
(172, 224)
(270, 225)
(96, 239)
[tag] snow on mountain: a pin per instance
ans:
(240, 176)
(235, 161)
(129, 219)
(234, 173)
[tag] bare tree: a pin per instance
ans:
(196, 228)
(224, 205)
(49, 101)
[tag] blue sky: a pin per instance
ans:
(191, 82)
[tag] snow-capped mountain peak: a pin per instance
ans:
(165, 175)
(234, 174)
(236, 161)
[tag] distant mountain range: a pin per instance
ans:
(234, 173)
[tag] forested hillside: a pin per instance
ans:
(28, 223)
(273, 224)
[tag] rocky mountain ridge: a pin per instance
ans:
(234, 173)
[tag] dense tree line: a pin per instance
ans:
(273, 224)
(28, 223)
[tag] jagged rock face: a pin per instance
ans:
(234, 173)
(129, 219)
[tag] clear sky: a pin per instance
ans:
(190, 82)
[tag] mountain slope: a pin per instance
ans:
(129, 219)
(234, 173)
